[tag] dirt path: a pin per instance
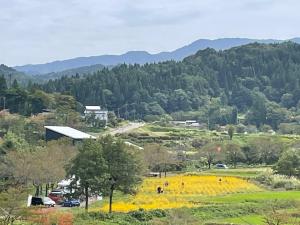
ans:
(128, 127)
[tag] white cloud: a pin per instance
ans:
(37, 31)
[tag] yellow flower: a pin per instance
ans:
(179, 191)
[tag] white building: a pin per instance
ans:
(187, 123)
(96, 110)
(57, 132)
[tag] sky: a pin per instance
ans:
(39, 31)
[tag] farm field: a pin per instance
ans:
(170, 136)
(182, 191)
(205, 200)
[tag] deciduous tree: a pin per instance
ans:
(289, 163)
(88, 170)
(123, 169)
(234, 153)
(230, 131)
(12, 205)
(157, 158)
(212, 152)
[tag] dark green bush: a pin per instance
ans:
(141, 215)
(158, 213)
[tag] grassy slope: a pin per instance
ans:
(187, 134)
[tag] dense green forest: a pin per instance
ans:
(30, 100)
(259, 81)
(41, 78)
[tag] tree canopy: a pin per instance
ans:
(259, 80)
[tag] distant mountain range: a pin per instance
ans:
(142, 57)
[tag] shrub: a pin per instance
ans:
(240, 128)
(251, 129)
(159, 213)
(265, 128)
(278, 181)
(289, 128)
(141, 215)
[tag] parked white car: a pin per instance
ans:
(48, 202)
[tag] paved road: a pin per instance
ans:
(126, 128)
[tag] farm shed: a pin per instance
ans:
(57, 132)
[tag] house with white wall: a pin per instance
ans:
(97, 111)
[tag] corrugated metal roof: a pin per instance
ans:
(70, 132)
(92, 107)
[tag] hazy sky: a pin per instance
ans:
(38, 31)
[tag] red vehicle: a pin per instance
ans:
(57, 196)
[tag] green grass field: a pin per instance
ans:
(239, 172)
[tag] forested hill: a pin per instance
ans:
(11, 74)
(259, 80)
(80, 71)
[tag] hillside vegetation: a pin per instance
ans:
(259, 81)
(70, 72)
(11, 74)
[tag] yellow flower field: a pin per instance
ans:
(179, 191)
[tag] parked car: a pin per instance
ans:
(46, 201)
(153, 174)
(57, 196)
(221, 166)
(37, 201)
(71, 203)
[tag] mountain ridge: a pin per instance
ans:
(142, 57)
